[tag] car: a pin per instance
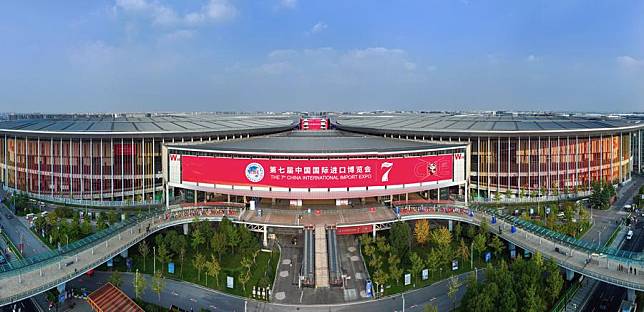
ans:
(8, 216)
(629, 235)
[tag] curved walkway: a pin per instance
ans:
(38, 274)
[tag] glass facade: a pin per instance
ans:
(88, 169)
(548, 164)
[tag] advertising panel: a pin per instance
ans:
(320, 173)
(356, 229)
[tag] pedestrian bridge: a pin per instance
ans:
(22, 279)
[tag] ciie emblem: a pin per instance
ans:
(432, 168)
(254, 172)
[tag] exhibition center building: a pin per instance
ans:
(297, 160)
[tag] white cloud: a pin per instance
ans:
(160, 14)
(181, 34)
(287, 4)
(318, 27)
(328, 62)
(630, 62)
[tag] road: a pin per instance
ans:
(187, 295)
(611, 295)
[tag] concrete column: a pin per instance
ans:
(273, 201)
(228, 195)
(186, 229)
(450, 225)
(570, 275)
(630, 294)
(438, 193)
(167, 197)
(265, 236)
(195, 197)
(374, 231)
(61, 287)
(124, 253)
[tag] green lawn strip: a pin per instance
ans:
(570, 292)
(613, 235)
(13, 247)
(230, 266)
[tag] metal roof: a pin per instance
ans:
(164, 125)
(316, 142)
(477, 124)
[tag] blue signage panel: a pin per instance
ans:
(171, 267)
(488, 256)
(368, 289)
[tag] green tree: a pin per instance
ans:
(497, 197)
(116, 279)
(214, 268)
(479, 244)
(395, 269)
(538, 260)
(433, 260)
(198, 262)
(421, 231)
(165, 256)
(554, 282)
(112, 217)
(463, 251)
(248, 243)
(144, 250)
(531, 300)
(417, 265)
(139, 284)
(452, 289)
(158, 284)
(198, 239)
(182, 255)
(86, 227)
(458, 231)
(101, 222)
(441, 237)
(232, 238)
(470, 232)
(380, 277)
(247, 264)
(496, 245)
(400, 238)
(484, 227)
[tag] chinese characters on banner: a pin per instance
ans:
(319, 173)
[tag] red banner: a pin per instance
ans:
(316, 173)
(353, 230)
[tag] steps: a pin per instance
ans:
(321, 266)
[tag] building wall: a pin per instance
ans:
(547, 164)
(98, 169)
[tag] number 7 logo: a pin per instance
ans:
(387, 166)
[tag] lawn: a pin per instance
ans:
(264, 268)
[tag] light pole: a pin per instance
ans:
(154, 250)
(403, 300)
(599, 238)
(471, 254)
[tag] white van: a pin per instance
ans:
(628, 207)
(629, 235)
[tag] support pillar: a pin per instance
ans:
(450, 225)
(195, 197)
(228, 196)
(570, 275)
(167, 197)
(273, 201)
(265, 236)
(61, 288)
(374, 231)
(124, 254)
(630, 294)
(438, 193)
(186, 229)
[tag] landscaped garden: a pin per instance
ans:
(206, 257)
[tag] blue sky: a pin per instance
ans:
(281, 55)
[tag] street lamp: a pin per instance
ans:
(154, 250)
